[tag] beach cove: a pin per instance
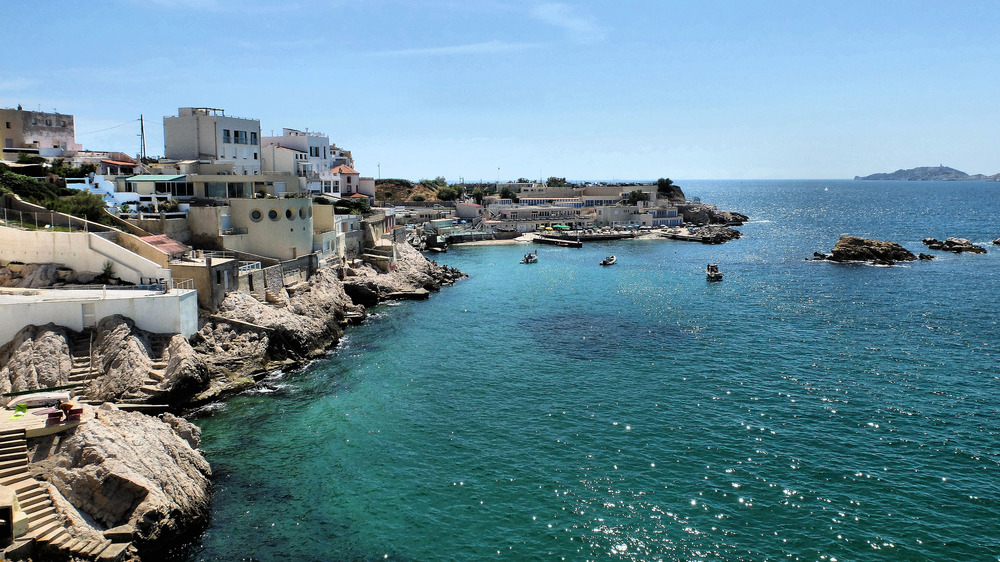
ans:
(564, 410)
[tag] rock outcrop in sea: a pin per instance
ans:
(957, 245)
(856, 249)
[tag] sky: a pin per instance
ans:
(481, 90)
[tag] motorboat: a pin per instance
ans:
(610, 260)
(712, 272)
(529, 258)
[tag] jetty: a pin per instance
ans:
(565, 242)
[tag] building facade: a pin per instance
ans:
(51, 134)
(203, 133)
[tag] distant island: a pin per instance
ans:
(929, 173)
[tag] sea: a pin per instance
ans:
(796, 410)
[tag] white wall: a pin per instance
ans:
(80, 251)
(170, 313)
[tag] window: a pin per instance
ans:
(48, 122)
(288, 214)
(256, 215)
(8, 124)
(240, 137)
(254, 155)
(273, 214)
(226, 137)
(253, 138)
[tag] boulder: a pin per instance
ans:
(925, 257)
(125, 468)
(709, 214)
(853, 248)
(996, 242)
(37, 357)
(124, 360)
(957, 245)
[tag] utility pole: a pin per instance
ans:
(380, 170)
(142, 141)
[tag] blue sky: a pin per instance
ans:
(579, 89)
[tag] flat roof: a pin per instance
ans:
(12, 295)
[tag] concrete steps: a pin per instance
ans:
(45, 525)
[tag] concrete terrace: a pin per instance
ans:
(153, 310)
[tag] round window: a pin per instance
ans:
(273, 214)
(256, 215)
(302, 213)
(310, 212)
(288, 214)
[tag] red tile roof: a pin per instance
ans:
(344, 169)
(166, 244)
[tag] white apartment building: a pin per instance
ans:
(311, 165)
(203, 133)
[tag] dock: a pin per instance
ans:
(567, 243)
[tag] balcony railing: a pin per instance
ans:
(236, 230)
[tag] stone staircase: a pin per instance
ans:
(45, 526)
(85, 365)
(158, 344)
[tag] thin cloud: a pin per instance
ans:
(581, 27)
(16, 84)
(469, 49)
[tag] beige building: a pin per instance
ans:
(203, 133)
(276, 228)
(51, 134)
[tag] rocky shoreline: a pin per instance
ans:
(142, 476)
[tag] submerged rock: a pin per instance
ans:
(854, 248)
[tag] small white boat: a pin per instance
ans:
(712, 272)
(610, 260)
(529, 258)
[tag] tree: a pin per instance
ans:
(556, 182)
(665, 187)
(82, 204)
(636, 196)
(508, 193)
(355, 206)
(478, 194)
(523, 180)
(449, 193)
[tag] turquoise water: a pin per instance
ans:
(562, 410)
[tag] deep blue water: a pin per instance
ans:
(796, 410)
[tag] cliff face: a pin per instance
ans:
(937, 173)
(124, 468)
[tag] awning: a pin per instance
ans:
(122, 164)
(154, 177)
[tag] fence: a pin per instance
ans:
(31, 220)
